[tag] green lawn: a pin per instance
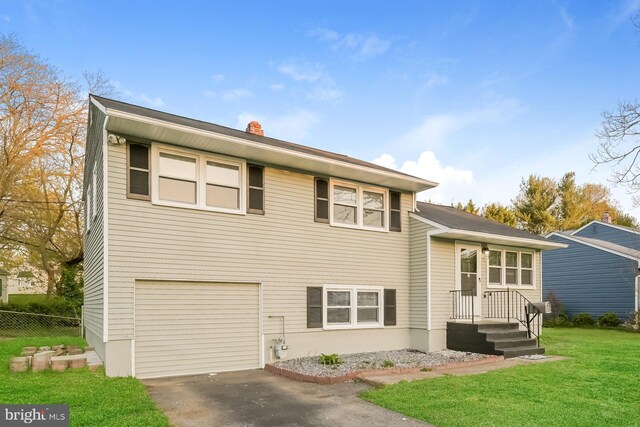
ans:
(27, 298)
(94, 399)
(598, 386)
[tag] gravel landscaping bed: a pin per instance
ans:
(377, 360)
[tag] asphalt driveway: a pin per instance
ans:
(258, 399)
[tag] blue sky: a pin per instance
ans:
(473, 94)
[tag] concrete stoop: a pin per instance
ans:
(505, 339)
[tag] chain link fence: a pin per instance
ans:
(21, 324)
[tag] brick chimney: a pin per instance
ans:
(606, 218)
(255, 128)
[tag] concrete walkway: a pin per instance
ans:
(377, 380)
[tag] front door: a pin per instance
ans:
(468, 280)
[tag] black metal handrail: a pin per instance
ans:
(463, 304)
(510, 304)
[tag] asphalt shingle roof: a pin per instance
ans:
(458, 219)
(111, 104)
(608, 245)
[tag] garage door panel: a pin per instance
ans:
(189, 328)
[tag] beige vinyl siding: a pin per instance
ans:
(419, 267)
(187, 328)
(284, 249)
(443, 280)
(94, 240)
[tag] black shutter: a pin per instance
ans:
(389, 307)
(138, 172)
(395, 219)
(255, 203)
(322, 200)
(314, 307)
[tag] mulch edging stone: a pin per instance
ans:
(322, 379)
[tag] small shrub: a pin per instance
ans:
(388, 364)
(633, 321)
(557, 309)
(330, 359)
(560, 321)
(583, 319)
(608, 319)
(426, 369)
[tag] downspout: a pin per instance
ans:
(105, 234)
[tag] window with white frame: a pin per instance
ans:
(526, 269)
(510, 268)
(352, 307)
(183, 178)
(357, 206)
(495, 268)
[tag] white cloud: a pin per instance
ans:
(454, 184)
(323, 34)
(218, 78)
(276, 87)
(294, 126)
(627, 9)
(302, 72)
(364, 45)
(229, 95)
(433, 130)
(325, 94)
(150, 101)
(436, 80)
(139, 97)
(322, 86)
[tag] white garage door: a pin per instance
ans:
(187, 328)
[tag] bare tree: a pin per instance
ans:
(620, 142)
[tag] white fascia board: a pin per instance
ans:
(419, 183)
(617, 227)
(611, 251)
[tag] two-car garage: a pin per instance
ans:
(184, 328)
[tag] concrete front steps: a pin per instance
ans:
(505, 339)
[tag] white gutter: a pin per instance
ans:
(129, 116)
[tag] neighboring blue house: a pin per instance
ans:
(598, 271)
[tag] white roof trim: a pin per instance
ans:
(487, 237)
(611, 251)
(116, 113)
(617, 227)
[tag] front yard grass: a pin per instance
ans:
(597, 386)
(94, 399)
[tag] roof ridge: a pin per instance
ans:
(241, 133)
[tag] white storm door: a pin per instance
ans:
(468, 280)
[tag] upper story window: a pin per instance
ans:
(138, 171)
(182, 178)
(357, 206)
(510, 268)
